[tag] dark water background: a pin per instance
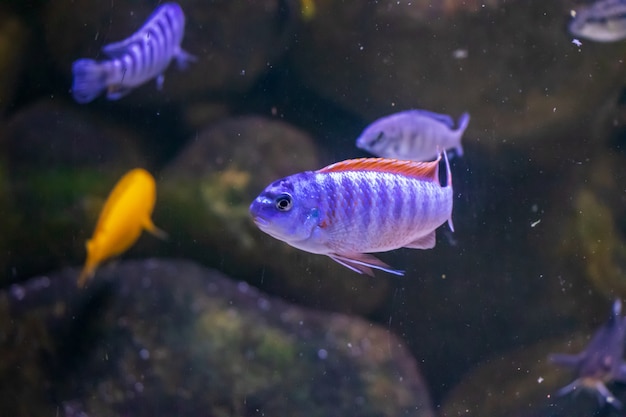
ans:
(538, 252)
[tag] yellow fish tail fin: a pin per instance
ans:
(90, 264)
(150, 227)
(88, 270)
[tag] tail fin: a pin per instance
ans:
(89, 80)
(463, 122)
(88, 271)
(462, 125)
(90, 264)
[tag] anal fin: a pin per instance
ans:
(424, 242)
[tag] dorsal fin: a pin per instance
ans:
(428, 171)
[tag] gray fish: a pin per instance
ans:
(602, 21)
(136, 60)
(416, 135)
(601, 361)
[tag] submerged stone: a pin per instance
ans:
(510, 64)
(58, 166)
(172, 338)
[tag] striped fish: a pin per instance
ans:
(602, 21)
(136, 60)
(601, 362)
(356, 207)
(416, 135)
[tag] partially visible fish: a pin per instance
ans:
(358, 206)
(307, 9)
(601, 361)
(125, 214)
(136, 60)
(416, 135)
(602, 21)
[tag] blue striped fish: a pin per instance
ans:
(356, 207)
(136, 60)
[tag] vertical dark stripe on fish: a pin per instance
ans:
(365, 195)
(346, 187)
(146, 50)
(331, 196)
(136, 56)
(171, 31)
(164, 40)
(398, 201)
(162, 36)
(413, 218)
(382, 193)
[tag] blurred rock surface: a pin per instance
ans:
(171, 338)
(14, 39)
(60, 166)
(511, 64)
(523, 383)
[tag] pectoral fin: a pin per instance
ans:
(621, 373)
(424, 242)
(363, 263)
(564, 359)
(160, 79)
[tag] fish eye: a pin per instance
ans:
(284, 202)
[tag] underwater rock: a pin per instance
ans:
(593, 233)
(523, 383)
(171, 338)
(204, 198)
(522, 87)
(235, 42)
(14, 36)
(60, 166)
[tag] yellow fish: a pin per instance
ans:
(307, 9)
(125, 214)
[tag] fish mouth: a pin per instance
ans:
(260, 222)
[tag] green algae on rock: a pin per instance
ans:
(604, 251)
(524, 383)
(174, 338)
(60, 165)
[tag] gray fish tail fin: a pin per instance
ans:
(184, 58)
(89, 80)
(462, 125)
(463, 122)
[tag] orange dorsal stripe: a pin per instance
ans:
(423, 170)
